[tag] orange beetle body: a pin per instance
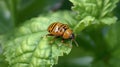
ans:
(58, 29)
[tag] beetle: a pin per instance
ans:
(58, 29)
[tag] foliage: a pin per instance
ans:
(24, 42)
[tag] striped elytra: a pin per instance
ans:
(58, 29)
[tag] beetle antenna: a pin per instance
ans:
(73, 39)
(75, 42)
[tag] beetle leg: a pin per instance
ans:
(69, 45)
(62, 40)
(49, 35)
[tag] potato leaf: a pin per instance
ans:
(28, 45)
(94, 12)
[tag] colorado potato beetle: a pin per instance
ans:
(58, 29)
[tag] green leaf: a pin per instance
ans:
(91, 12)
(28, 45)
(108, 20)
(95, 8)
(87, 21)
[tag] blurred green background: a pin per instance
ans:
(14, 12)
(98, 47)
